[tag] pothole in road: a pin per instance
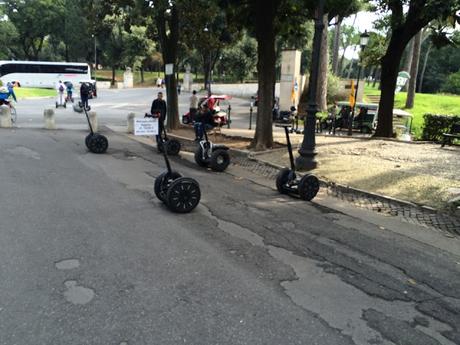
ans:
(77, 294)
(68, 264)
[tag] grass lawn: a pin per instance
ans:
(424, 104)
(25, 92)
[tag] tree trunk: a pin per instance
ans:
(377, 76)
(389, 74)
(321, 96)
(408, 63)
(142, 75)
(410, 53)
(414, 71)
(113, 75)
(422, 74)
(335, 53)
(266, 54)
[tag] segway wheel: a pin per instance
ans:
(199, 157)
(98, 143)
(173, 147)
(308, 187)
(162, 183)
(220, 159)
(88, 140)
(282, 179)
(183, 195)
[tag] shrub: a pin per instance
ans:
(435, 125)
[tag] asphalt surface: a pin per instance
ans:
(112, 108)
(88, 255)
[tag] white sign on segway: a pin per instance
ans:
(148, 126)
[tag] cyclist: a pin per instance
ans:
(6, 93)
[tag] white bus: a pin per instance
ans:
(44, 74)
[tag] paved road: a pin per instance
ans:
(112, 107)
(89, 256)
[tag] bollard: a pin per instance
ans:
(49, 118)
(5, 117)
(93, 120)
(131, 117)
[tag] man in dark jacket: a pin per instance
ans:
(159, 109)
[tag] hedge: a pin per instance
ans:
(435, 125)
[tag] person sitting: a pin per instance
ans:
(204, 120)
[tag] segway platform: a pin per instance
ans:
(287, 181)
(95, 142)
(214, 156)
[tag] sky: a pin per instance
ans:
(364, 21)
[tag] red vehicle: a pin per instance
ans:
(220, 114)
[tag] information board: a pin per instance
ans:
(148, 126)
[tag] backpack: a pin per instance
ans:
(61, 88)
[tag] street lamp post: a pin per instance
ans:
(364, 39)
(307, 152)
(95, 57)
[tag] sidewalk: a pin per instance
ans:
(423, 173)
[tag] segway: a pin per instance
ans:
(61, 103)
(95, 142)
(173, 146)
(179, 194)
(287, 181)
(211, 155)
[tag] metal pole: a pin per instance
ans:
(95, 58)
(307, 151)
(250, 116)
(350, 120)
(229, 111)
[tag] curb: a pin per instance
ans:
(188, 145)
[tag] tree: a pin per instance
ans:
(404, 25)
(208, 32)
(34, 21)
(239, 60)
(414, 70)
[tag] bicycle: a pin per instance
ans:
(14, 114)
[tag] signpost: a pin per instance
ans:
(148, 126)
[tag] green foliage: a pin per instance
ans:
(34, 21)
(452, 84)
(436, 125)
(441, 64)
(375, 50)
(239, 61)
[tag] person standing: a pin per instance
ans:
(60, 88)
(84, 94)
(193, 105)
(159, 110)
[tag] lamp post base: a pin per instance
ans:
(306, 161)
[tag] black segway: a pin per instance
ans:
(173, 146)
(179, 194)
(95, 142)
(211, 155)
(287, 181)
